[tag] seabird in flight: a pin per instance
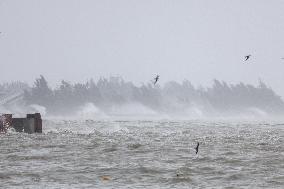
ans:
(156, 79)
(196, 148)
(247, 57)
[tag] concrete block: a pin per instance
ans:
(18, 124)
(29, 125)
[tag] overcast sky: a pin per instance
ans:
(182, 39)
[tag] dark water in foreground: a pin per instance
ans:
(144, 154)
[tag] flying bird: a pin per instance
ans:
(247, 57)
(196, 148)
(156, 79)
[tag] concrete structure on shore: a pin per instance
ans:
(31, 124)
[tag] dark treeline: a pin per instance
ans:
(172, 98)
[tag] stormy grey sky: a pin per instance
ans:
(196, 40)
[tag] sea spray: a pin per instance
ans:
(90, 111)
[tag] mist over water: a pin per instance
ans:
(113, 134)
(114, 97)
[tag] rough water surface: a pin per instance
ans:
(144, 154)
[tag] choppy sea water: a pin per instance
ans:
(144, 154)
